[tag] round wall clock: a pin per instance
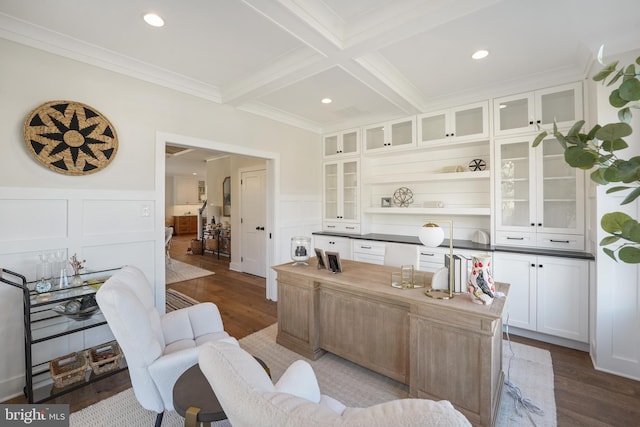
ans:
(70, 137)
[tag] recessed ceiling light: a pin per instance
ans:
(153, 20)
(326, 100)
(480, 54)
(194, 173)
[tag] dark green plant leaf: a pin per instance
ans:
(578, 157)
(592, 133)
(631, 196)
(597, 176)
(618, 144)
(561, 139)
(624, 115)
(609, 240)
(629, 254)
(631, 231)
(608, 69)
(610, 253)
(615, 100)
(613, 131)
(613, 222)
(616, 189)
(638, 60)
(629, 72)
(575, 129)
(615, 78)
(541, 136)
(630, 89)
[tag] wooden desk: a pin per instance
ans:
(448, 350)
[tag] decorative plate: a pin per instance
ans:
(477, 165)
(403, 197)
(70, 137)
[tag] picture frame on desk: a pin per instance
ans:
(333, 262)
(320, 255)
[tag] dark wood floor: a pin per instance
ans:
(584, 396)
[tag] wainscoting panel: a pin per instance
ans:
(23, 219)
(104, 217)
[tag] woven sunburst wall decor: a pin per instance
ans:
(70, 137)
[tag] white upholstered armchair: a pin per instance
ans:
(158, 348)
(250, 399)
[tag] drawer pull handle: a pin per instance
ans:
(422, 253)
(349, 228)
(515, 238)
(365, 247)
(331, 226)
(559, 241)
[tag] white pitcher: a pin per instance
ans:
(481, 287)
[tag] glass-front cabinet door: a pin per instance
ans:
(350, 206)
(342, 143)
(341, 191)
(331, 190)
(386, 136)
(536, 190)
(528, 111)
(515, 209)
(560, 191)
(465, 123)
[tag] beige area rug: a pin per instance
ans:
(530, 369)
(178, 271)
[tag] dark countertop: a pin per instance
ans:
(461, 244)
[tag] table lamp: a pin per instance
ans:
(432, 235)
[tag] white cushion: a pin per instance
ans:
(300, 381)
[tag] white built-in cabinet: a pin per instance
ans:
(548, 294)
(341, 204)
(539, 198)
(455, 125)
(342, 245)
(392, 135)
(524, 112)
(341, 144)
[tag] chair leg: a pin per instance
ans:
(159, 419)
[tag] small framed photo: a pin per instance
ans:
(320, 255)
(333, 262)
(385, 202)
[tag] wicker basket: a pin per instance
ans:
(105, 357)
(68, 369)
(196, 247)
(211, 244)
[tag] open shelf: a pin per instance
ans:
(425, 177)
(478, 211)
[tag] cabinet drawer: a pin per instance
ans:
(515, 238)
(368, 247)
(570, 242)
(341, 227)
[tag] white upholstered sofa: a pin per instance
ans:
(158, 348)
(249, 397)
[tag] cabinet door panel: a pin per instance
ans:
(515, 208)
(563, 297)
(350, 142)
(519, 271)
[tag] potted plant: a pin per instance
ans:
(599, 150)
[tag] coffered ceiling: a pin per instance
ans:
(376, 59)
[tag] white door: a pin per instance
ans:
(253, 222)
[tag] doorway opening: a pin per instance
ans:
(272, 163)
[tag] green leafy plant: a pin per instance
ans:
(598, 150)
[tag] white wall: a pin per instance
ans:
(616, 340)
(99, 216)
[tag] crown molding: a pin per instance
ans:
(40, 38)
(278, 115)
